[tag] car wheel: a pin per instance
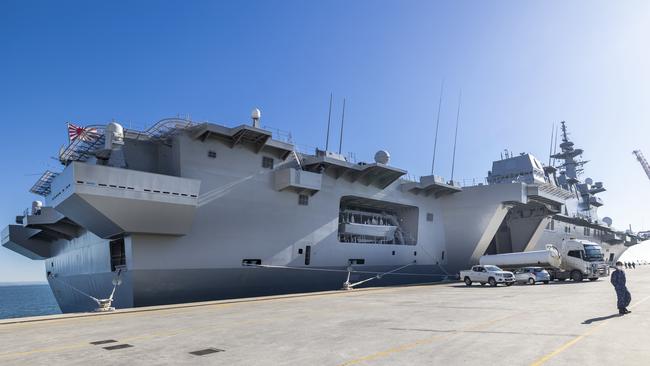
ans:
(531, 281)
(468, 282)
(492, 282)
(546, 282)
(576, 276)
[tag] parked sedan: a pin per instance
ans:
(532, 275)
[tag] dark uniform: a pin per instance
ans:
(623, 295)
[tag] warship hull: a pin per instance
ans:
(159, 287)
(204, 212)
(187, 212)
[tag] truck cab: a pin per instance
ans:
(582, 259)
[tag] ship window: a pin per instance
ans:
(307, 255)
(251, 262)
(393, 252)
(118, 254)
(303, 200)
(267, 162)
(429, 216)
(300, 251)
(443, 255)
(212, 154)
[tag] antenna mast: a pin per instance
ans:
(555, 145)
(550, 150)
(453, 159)
(435, 139)
(329, 118)
(342, 121)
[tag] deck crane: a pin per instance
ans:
(642, 161)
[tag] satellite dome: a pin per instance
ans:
(607, 220)
(382, 157)
(256, 114)
(114, 135)
(115, 128)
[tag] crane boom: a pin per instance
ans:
(642, 161)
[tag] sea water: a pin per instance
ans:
(27, 300)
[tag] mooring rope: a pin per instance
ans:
(98, 301)
(75, 289)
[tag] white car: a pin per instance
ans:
(532, 275)
(492, 275)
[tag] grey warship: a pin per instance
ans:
(186, 211)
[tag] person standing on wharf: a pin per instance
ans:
(623, 295)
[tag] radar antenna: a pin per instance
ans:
(453, 159)
(329, 119)
(435, 139)
(550, 151)
(342, 122)
(642, 161)
(568, 154)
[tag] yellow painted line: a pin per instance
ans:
(568, 344)
(167, 333)
(93, 317)
(174, 309)
(42, 350)
(577, 339)
(12, 323)
(88, 345)
(412, 345)
(393, 350)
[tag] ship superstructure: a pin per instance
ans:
(187, 211)
(578, 217)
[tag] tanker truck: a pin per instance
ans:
(575, 259)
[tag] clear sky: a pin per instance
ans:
(521, 65)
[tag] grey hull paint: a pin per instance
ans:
(155, 287)
(159, 287)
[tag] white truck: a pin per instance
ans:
(575, 259)
(487, 274)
